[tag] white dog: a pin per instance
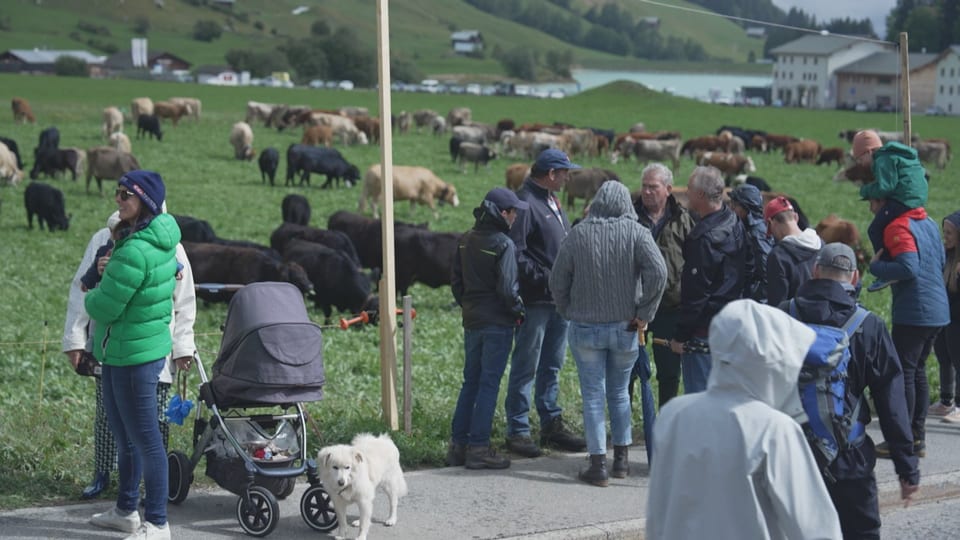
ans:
(352, 474)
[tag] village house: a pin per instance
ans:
(946, 97)
(874, 82)
(41, 61)
(159, 62)
(467, 42)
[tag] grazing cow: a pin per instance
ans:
(584, 183)
(295, 209)
(856, 173)
(424, 117)
(414, 184)
(241, 138)
(268, 161)
(108, 163)
(754, 181)
(778, 142)
(454, 147)
(338, 281)
(120, 141)
(49, 140)
(638, 127)
(828, 155)
(333, 239)
(729, 164)
(46, 202)
(316, 135)
(647, 151)
(14, 149)
(195, 230)
(112, 121)
(707, 143)
(369, 126)
(803, 150)
(9, 170)
(218, 263)
(834, 229)
(150, 125)
(404, 119)
(22, 113)
(472, 134)
(140, 106)
(848, 134)
(365, 235)
(475, 153)
(748, 136)
(515, 175)
(505, 124)
(258, 111)
(311, 159)
(351, 111)
(193, 105)
(172, 111)
(945, 142)
(342, 127)
(438, 125)
(933, 152)
(459, 116)
(53, 162)
(424, 257)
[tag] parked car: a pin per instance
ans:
(345, 85)
(935, 110)
(316, 83)
(474, 89)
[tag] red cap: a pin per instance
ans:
(775, 206)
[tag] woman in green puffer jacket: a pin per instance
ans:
(131, 308)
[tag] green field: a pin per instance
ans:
(46, 412)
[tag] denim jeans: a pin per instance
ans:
(130, 400)
(913, 344)
(605, 354)
(641, 370)
(538, 355)
(485, 359)
(947, 347)
(696, 370)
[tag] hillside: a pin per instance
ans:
(420, 29)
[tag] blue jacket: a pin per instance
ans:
(912, 241)
(714, 271)
(537, 234)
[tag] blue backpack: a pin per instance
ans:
(830, 426)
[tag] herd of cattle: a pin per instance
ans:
(339, 266)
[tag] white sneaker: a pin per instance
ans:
(953, 417)
(149, 531)
(117, 520)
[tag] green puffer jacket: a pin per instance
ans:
(898, 174)
(133, 303)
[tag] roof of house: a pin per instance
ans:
(815, 45)
(124, 59)
(213, 69)
(886, 63)
(465, 35)
(44, 56)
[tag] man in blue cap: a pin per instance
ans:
(541, 341)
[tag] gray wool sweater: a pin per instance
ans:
(609, 267)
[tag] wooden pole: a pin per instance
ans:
(407, 365)
(905, 84)
(388, 295)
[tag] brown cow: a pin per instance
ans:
(370, 126)
(834, 229)
(775, 142)
(707, 143)
(515, 175)
(831, 154)
(414, 184)
(729, 164)
(22, 113)
(314, 135)
(803, 150)
(856, 173)
(584, 184)
(173, 111)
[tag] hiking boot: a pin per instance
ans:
(953, 417)
(882, 450)
(596, 474)
(556, 434)
(621, 465)
(485, 457)
(456, 454)
(100, 482)
(523, 445)
(920, 448)
(940, 409)
(149, 531)
(117, 520)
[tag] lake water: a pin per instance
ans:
(703, 86)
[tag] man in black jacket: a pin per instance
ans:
(714, 273)
(829, 299)
(484, 283)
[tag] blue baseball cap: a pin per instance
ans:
(505, 199)
(551, 158)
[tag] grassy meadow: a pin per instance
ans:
(46, 412)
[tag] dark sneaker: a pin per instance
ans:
(882, 450)
(920, 448)
(879, 285)
(456, 455)
(523, 445)
(556, 434)
(485, 457)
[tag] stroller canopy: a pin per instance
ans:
(271, 352)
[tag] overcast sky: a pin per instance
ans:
(824, 10)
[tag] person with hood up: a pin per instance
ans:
(791, 260)
(947, 343)
(747, 202)
(607, 281)
(131, 309)
(729, 462)
(484, 283)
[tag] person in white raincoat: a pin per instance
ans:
(728, 462)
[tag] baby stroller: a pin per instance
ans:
(270, 357)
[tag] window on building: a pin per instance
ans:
(804, 60)
(941, 89)
(791, 76)
(791, 60)
(815, 61)
(951, 72)
(884, 80)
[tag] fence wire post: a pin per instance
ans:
(43, 358)
(407, 365)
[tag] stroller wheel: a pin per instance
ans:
(180, 475)
(260, 517)
(287, 487)
(317, 509)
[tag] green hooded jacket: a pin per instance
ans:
(134, 301)
(898, 175)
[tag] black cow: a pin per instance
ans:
(49, 140)
(475, 153)
(756, 182)
(338, 282)
(268, 160)
(149, 125)
(332, 239)
(217, 263)
(52, 161)
(12, 146)
(46, 202)
(746, 135)
(295, 209)
(307, 159)
(365, 234)
(607, 134)
(454, 147)
(195, 230)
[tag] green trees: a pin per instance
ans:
(206, 30)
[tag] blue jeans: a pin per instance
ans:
(641, 370)
(130, 400)
(538, 355)
(696, 370)
(605, 354)
(485, 359)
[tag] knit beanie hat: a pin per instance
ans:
(148, 186)
(954, 219)
(864, 141)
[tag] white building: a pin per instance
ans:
(947, 86)
(803, 73)
(467, 41)
(875, 81)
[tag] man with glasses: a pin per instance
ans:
(541, 340)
